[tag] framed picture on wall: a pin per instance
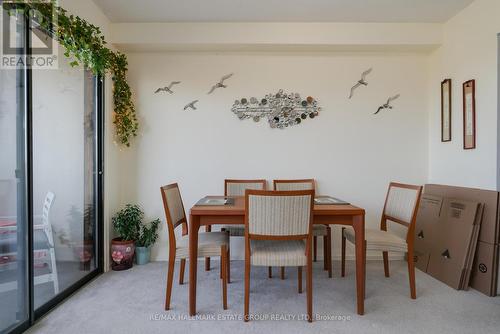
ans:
(469, 101)
(446, 110)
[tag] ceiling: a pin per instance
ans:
(420, 11)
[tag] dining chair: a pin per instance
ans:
(209, 244)
(278, 232)
(43, 244)
(401, 206)
(318, 230)
(234, 187)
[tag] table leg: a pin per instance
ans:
(359, 230)
(194, 226)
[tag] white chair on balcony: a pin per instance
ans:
(43, 245)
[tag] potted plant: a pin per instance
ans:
(82, 238)
(148, 235)
(127, 224)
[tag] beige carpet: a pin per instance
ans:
(132, 302)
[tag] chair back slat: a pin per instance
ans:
(279, 213)
(402, 202)
(238, 187)
(174, 209)
(47, 204)
(290, 185)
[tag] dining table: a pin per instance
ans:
(234, 213)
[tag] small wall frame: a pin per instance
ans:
(446, 110)
(469, 114)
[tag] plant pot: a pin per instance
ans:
(84, 252)
(142, 255)
(122, 254)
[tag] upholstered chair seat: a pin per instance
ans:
(209, 244)
(380, 240)
(278, 253)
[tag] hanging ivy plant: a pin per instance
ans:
(85, 43)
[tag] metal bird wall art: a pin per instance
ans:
(282, 110)
(167, 89)
(190, 105)
(220, 84)
(387, 105)
(361, 82)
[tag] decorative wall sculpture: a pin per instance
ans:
(167, 89)
(387, 105)
(361, 82)
(220, 84)
(281, 109)
(191, 105)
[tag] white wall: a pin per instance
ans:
(352, 153)
(358, 146)
(469, 51)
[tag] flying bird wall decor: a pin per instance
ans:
(387, 105)
(191, 105)
(167, 89)
(220, 84)
(281, 109)
(361, 82)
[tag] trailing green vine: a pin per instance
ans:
(85, 44)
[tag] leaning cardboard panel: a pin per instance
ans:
(471, 249)
(425, 227)
(484, 270)
(488, 234)
(454, 231)
(490, 226)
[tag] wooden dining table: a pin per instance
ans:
(234, 213)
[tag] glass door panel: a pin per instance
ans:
(64, 174)
(14, 297)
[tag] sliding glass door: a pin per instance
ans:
(14, 283)
(64, 175)
(51, 132)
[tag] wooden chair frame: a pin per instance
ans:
(327, 239)
(410, 235)
(306, 237)
(171, 225)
